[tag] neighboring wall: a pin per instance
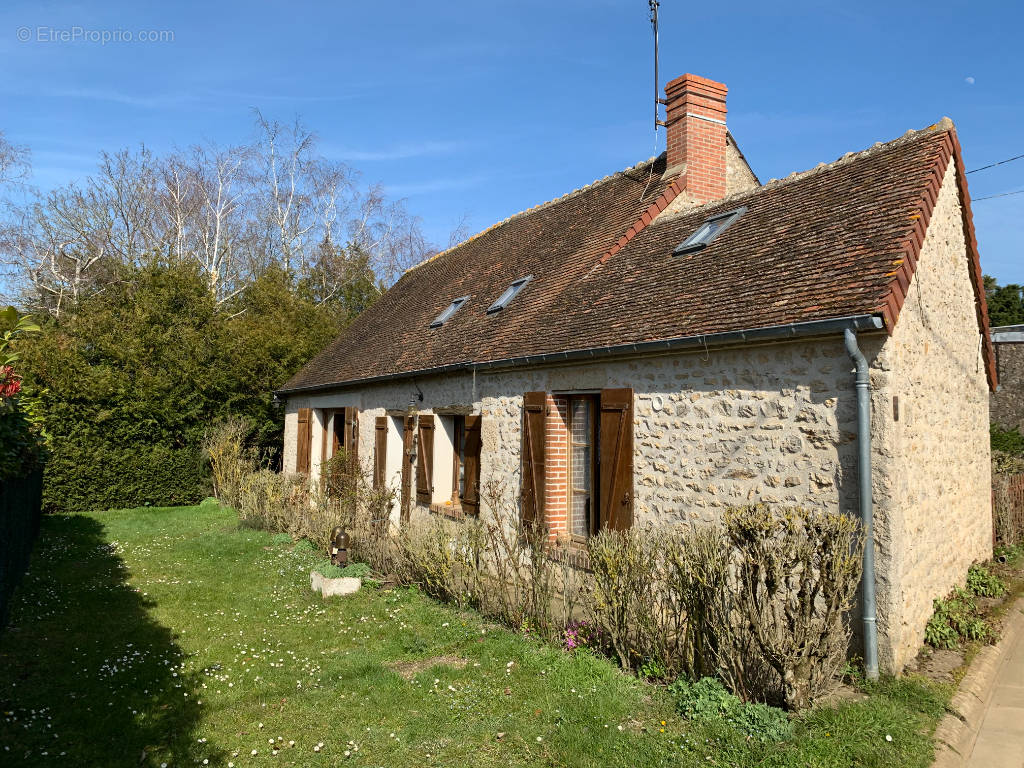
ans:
(738, 175)
(1007, 405)
(936, 483)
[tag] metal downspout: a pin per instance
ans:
(866, 513)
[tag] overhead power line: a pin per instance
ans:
(1003, 194)
(993, 165)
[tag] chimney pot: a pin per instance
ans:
(695, 127)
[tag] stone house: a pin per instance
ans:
(1007, 405)
(678, 338)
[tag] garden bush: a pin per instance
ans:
(21, 447)
(796, 574)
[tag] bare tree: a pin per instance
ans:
(14, 162)
(460, 231)
(219, 179)
(233, 211)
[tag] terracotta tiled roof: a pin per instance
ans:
(839, 240)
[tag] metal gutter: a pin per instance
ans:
(871, 322)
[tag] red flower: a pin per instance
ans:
(10, 382)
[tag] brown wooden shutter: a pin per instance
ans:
(533, 457)
(616, 436)
(304, 441)
(408, 454)
(336, 430)
(351, 436)
(380, 451)
(471, 496)
(425, 460)
(325, 416)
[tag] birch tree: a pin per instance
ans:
(234, 212)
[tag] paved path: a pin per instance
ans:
(1000, 741)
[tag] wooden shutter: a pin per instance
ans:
(533, 457)
(351, 436)
(380, 451)
(325, 422)
(616, 470)
(425, 460)
(336, 431)
(304, 440)
(471, 496)
(408, 454)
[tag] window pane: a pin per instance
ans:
(703, 233)
(580, 419)
(503, 299)
(581, 462)
(580, 515)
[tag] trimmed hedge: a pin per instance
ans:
(82, 477)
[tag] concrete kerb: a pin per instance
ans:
(958, 730)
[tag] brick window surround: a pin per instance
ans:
(556, 480)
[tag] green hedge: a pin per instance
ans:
(128, 382)
(81, 477)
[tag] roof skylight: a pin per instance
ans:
(708, 231)
(451, 309)
(510, 293)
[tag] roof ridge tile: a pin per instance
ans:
(945, 124)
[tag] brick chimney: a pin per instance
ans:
(695, 124)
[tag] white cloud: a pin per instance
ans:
(969, 80)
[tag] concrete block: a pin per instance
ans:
(345, 585)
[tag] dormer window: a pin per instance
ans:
(452, 308)
(708, 231)
(510, 293)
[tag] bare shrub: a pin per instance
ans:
(794, 574)
(697, 581)
(626, 587)
(225, 445)
(716, 640)
(263, 498)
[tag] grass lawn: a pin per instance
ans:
(170, 636)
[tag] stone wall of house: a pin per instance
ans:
(773, 423)
(932, 431)
(1007, 405)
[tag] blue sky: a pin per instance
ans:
(483, 109)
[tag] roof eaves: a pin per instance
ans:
(764, 334)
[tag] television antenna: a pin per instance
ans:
(653, 5)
